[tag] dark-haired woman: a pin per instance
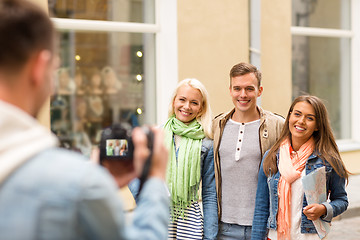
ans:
(306, 144)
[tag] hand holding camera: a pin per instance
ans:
(159, 153)
(128, 153)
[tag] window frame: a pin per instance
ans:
(353, 143)
(166, 47)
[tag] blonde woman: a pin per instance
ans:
(188, 136)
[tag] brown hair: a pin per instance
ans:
(24, 29)
(325, 145)
(242, 68)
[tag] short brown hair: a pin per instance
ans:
(25, 29)
(243, 68)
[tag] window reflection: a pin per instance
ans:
(98, 84)
(321, 67)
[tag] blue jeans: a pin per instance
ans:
(229, 231)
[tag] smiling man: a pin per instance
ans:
(241, 137)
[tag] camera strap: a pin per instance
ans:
(147, 164)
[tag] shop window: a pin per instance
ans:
(98, 83)
(105, 76)
(322, 60)
(321, 67)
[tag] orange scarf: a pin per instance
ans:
(290, 168)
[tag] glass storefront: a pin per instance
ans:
(321, 60)
(104, 77)
(321, 67)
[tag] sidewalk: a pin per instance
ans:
(353, 191)
(346, 226)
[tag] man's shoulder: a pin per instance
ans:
(61, 154)
(222, 115)
(64, 162)
(62, 173)
(272, 116)
(216, 120)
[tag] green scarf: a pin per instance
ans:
(183, 172)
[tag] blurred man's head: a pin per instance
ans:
(27, 46)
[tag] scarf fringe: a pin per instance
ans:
(179, 206)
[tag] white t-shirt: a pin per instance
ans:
(297, 197)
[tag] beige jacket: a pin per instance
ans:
(269, 131)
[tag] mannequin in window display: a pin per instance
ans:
(112, 94)
(81, 112)
(60, 117)
(96, 83)
(81, 139)
(79, 82)
(111, 82)
(66, 85)
(96, 108)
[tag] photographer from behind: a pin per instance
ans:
(47, 192)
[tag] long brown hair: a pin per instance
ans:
(325, 145)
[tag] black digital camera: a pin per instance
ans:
(116, 144)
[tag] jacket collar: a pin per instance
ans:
(229, 114)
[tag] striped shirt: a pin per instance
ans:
(188, 227)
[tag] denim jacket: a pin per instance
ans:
(266, 204)
(209, 200)
(60, 195)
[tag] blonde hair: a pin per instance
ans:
(204, 117)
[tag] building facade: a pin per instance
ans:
(121, 59)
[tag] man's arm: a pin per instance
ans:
(151, 216)
(101, 212)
